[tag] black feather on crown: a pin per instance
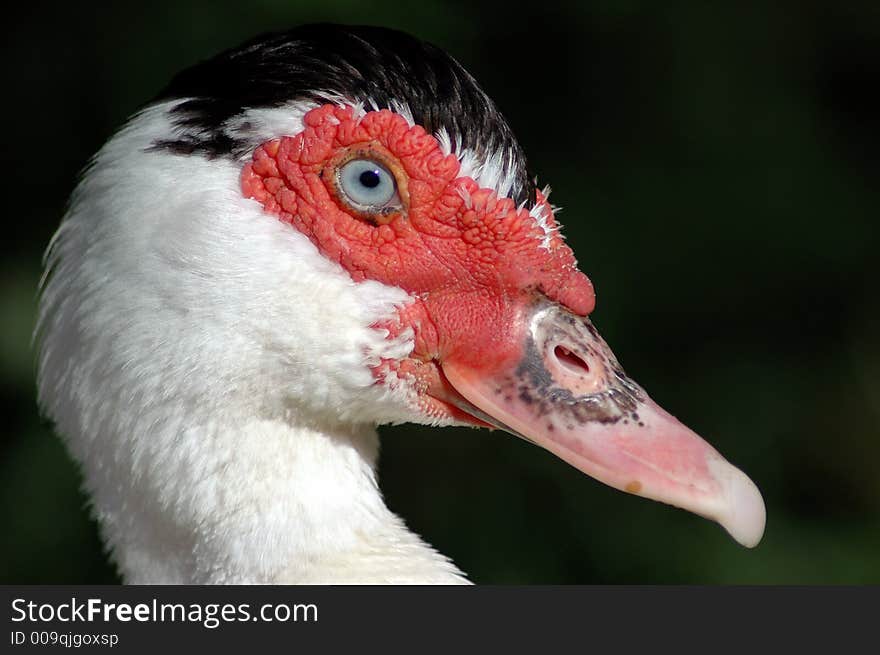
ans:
(358, 63)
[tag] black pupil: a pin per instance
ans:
(370, 179)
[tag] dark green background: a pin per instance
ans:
(720, 172)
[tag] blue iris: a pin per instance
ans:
(367, 184)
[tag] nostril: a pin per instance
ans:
(571, 362)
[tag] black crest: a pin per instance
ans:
(354, 62)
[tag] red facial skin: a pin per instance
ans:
(473, 265)
(470, 259)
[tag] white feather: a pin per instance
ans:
(210, 371)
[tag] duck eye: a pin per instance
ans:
(368, 186)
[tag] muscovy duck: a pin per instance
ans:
(314, 233)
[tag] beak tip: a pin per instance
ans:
(744, 514)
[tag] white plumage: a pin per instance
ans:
(219, 409)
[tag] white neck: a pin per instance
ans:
(266, 503)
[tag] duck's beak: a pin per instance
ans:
(563, 389)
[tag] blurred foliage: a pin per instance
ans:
(720, 168)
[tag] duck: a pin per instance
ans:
(315, 233)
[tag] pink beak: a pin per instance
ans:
(564, 390)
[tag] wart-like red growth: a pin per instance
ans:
(470, 258)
